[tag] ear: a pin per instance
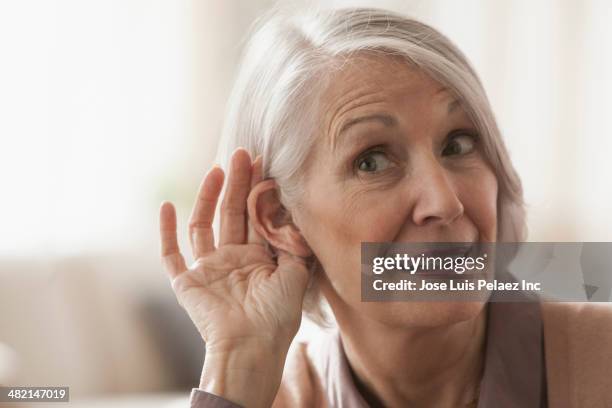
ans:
(272, 221)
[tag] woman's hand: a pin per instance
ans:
(245, 303)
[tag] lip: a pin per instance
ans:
(447, 249)
(456, 249)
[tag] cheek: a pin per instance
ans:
(479, 197)
(346, 218)
(336, 222)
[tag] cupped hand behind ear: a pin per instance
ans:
(236, 293)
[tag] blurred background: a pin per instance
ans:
(108, 107)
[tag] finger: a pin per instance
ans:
(173, 261)
(253, 237)
(257, 171)
(201, 234)
(233, 207)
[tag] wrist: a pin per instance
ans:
(248, 346)
(248, 373)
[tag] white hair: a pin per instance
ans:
(274, 104)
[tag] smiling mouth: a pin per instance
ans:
(447, 249)
(456, 250)
(442, 253)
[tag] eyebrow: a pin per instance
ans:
(455, 103)
(386, 120)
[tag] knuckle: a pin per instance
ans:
(208, 199)
(232, 209)
(199, 224)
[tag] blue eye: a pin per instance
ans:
(372, 162)
(460, 144)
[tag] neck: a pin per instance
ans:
(423, 366)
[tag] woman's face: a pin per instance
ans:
(398, 160)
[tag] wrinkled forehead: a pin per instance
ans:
(370, 83)
(373, 70)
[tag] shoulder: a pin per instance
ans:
(578, 350)
(583, 330)
(586, 322)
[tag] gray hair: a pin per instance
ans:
(273, 106)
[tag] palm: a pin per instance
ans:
(250, 295)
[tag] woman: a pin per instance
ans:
(361, 125)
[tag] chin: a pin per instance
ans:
(424, 314)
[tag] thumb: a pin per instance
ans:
(293, 271)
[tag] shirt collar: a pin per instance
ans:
(514, 372)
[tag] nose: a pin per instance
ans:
(436, 199)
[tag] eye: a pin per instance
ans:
(459, 144)
(372, 162)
